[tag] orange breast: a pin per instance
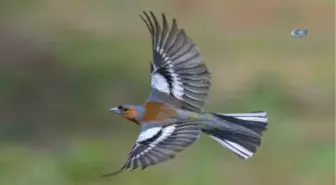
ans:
(131, 115)
(156, 112)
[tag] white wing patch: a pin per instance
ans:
(166, 132)
(177, 89)
(147, 134)
(160, 83)
(150, 133)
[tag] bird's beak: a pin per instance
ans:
(115, 110)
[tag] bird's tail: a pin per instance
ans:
(240, 133)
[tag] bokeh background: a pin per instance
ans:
(64, 63)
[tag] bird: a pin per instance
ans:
(173, 117)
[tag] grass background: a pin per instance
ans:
(64, 63)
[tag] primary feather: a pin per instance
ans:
(177, 69)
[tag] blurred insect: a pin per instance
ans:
(299, 33)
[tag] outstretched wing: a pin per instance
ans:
(178, 75)
(158, 143)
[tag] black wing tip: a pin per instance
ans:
(151, 66)
(121, 170)
(114, 173)
(163, 16)
(147, 13)
(150, 13)
(144, 16)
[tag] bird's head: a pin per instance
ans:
(131, 112)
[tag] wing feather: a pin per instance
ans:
(162, 146)
(177, 68)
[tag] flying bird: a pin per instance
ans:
(172, 117)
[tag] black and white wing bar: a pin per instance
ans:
(158, 144)
(177, 67)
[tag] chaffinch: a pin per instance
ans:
(172, 118)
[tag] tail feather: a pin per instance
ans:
(256, 121)
(241, 133)
(235, 148)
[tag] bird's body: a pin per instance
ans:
(172, 117)
(154, 111)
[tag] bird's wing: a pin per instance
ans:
(178, 74)
(158, 143)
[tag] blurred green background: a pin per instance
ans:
(64, 63)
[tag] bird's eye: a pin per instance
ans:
(124, 109)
